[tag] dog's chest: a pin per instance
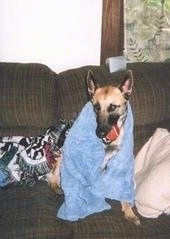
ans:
(112, 149)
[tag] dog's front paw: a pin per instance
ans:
(129, 214)
(133, 219)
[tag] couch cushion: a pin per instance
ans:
(143, 133)
(151, 99)
(30, 213)
(27, 95)
(111, 224)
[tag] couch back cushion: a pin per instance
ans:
(150, 99)
(26, 95)
(72, 94)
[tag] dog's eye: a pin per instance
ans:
(112, 107)
(97, 107)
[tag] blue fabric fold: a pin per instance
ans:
(85, 186)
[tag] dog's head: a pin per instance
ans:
(109, 102)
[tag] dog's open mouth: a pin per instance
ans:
(112, 134)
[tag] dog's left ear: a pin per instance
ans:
(127, 84)
(91, 83)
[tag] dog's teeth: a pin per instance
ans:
(106, 141)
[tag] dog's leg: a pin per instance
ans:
(129, 214)
(54, 178)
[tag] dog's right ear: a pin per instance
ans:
(127, 84)
(91, 83)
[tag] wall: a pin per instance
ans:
(63, 34)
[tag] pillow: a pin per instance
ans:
(152, 176)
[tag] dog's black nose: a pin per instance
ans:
(100, 133)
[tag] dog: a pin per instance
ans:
(110, 106)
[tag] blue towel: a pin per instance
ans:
(85, 186)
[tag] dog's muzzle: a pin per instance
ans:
(106, 125)
(112, 135)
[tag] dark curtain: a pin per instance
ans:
(112, 37)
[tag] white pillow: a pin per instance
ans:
(152, 176)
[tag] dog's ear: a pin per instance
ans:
(91, 83)
(127, 84)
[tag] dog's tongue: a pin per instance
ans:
(113, 133)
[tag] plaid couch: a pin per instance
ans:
(33, 97)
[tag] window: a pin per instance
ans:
(141, 27)
(147, 30)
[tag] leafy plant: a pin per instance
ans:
(136, 51)
(148, 39)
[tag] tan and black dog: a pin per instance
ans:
(110, 107)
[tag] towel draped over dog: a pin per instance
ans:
(85, 186)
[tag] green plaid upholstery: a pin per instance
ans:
(150, 99)
(32, 97)
(31, 214)
(24, 130)
(112, 225)
(73, 93)
(151, 96)
(27, 95)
